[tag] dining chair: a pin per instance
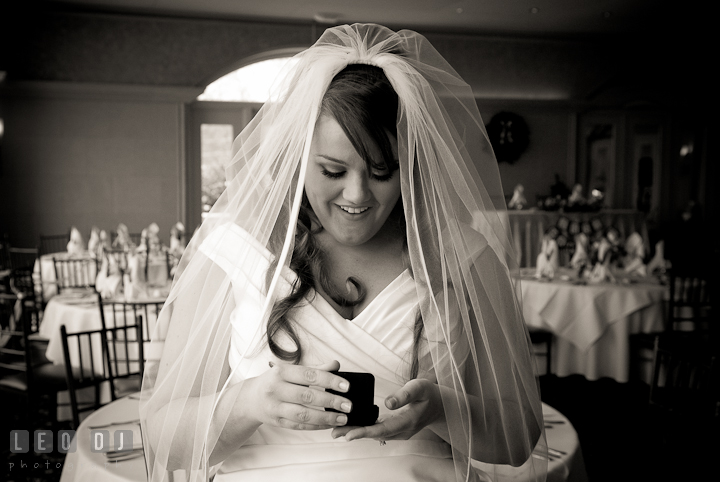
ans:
(75, 273)
(54, 243)
(24, 279)
(118, 313)
(117, 257)
(96, 359)
(544, 338)
(685, 392)
(26, 373)
(689, 310)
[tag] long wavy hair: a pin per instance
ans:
(361, 99)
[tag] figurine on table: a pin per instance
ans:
(518, 200)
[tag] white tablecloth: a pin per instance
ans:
(87, 466)
(592, 323)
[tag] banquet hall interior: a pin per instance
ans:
(114, 129)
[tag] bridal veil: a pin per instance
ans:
(475, 344)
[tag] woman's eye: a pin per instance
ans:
(386, 176)
(331, 174)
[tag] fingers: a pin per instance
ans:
(302, 375)
(304, 395)
(298, 417)
(408, 393)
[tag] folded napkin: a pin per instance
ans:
(580, 256)
(547, 260)
(658, 264)
(135, 283)
(94, 245)
(177, 240)
(76, 245)
(635, 254)
(123, 241)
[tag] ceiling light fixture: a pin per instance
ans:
(534, 10)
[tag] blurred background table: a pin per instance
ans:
(528, 227)
(592, 324)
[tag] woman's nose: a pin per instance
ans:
(357, 189)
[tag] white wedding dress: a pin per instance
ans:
(378, 341)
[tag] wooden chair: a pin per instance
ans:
(75, 273)
(543, 337)
(23, 279)
(111, 356)
(125, 313)
(689, 310)
(54, 243)
(95, 359)
(685, 395)
(26, 373)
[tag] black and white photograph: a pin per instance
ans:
(404, 241)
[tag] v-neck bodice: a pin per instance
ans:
(388, 318)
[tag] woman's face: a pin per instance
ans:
(351, 203)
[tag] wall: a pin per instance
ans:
(108, 120)
(87, 157)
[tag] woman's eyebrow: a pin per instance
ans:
(332, 159)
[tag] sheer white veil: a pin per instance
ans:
(475, 344)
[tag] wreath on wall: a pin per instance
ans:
(509, 135)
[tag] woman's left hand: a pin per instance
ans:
(414, 406)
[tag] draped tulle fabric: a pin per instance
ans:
(474, 344)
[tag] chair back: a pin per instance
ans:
(127, 313)
(75, 273)
(690, 302)
(85, 359)
(15, 348)
(54, 243)
(686, 377)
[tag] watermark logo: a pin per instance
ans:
(43, 441)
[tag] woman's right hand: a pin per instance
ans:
(291, 396)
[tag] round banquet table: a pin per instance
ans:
(86, 466)
(592, 323)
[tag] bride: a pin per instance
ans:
(362, 229)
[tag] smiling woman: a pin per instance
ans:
(357, 232)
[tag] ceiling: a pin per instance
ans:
(560, 18)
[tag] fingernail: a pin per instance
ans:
(342, 419)
(392, 402)
(344, 386)
(346, 407)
